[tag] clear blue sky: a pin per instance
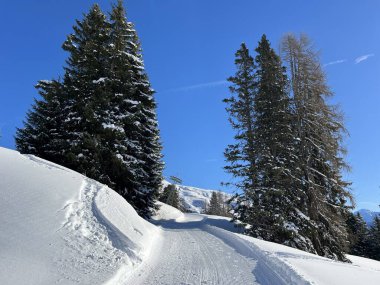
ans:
(189, 52)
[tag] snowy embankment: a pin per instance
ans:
(57, 226)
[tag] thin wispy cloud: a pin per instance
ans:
(335, 62)
(363, 58)
(197, 86)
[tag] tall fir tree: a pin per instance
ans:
(272, 196)
(85, 83)
(135, 112)
(105, 123)
(240, 106)
(319, 130)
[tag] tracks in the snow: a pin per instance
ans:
(196, 251)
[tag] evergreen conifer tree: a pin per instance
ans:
(170, 196)
(374, 240)
(214, 208)
(240, 155)
(272, 196)
(134, 113)
(357, 235)
(101, 118)
(85, 83)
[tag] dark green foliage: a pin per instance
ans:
(272, 195)
(42, 134)
(374, 240)
(240, 107)
(136, 136)
(170, 196)
(105, 123)
(264, 153)
(357, 235)
(84, 84)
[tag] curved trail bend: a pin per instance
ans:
(198, 249)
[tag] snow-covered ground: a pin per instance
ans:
(203, 249)
(59, 227)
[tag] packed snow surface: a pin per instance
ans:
(59, 227)
(204, 249)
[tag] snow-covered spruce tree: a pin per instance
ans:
(170, 196)
(319, 130)
(240, 155)
(42, 134)
(134, 115)
(273, 211)
(85, 83)
(106, 120)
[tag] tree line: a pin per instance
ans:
(363, 241)
(288, 158)
(100, 117)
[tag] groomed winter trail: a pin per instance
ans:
(197, 249)
(59, 227)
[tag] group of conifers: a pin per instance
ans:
(288, 157)
(100, 120)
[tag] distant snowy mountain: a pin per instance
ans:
(368, 215)
(195, 199)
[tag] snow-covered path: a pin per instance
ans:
(195, 249)
(59, 227)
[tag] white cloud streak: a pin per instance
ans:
(197, 86)
(335, 62)
(363, 58)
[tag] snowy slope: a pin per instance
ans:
(368, 215)
(195, 198)
(57, 226)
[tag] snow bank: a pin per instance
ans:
(167, 212)
(320, 270)
(57, 226)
